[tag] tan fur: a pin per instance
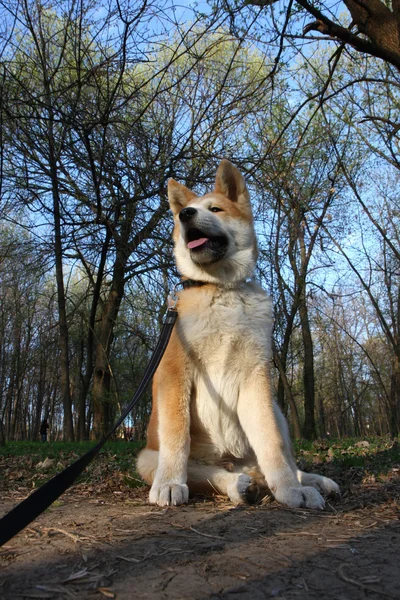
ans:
(215, 427)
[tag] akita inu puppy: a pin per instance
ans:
(214, 426)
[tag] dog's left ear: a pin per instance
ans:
(179, 196)
(230, 183)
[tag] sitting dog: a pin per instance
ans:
(214, 425)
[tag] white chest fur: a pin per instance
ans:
(215, 321)
(227, 334)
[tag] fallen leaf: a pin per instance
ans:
(45, 465)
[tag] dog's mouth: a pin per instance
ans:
(198, 241)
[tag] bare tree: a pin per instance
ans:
(370, 27)
(301, 185)
(96, 124)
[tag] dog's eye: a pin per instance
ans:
(215, 209)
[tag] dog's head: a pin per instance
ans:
(214, 234)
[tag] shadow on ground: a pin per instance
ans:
(100, 548)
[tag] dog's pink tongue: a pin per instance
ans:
(197, 243)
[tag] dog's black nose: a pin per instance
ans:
(187, 213)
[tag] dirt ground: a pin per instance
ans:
(117, 546)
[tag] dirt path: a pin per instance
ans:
(119, 547)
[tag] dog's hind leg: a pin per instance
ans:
(146, 464)
(210, 479)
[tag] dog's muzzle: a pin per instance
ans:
(206, 242)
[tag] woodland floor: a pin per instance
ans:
(102, 540)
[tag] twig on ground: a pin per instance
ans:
(216, 537)
(76, 538)
(154, 555)
(131, 560)
(284, 533)
(106, 592)
(57, 589)
(359, 584)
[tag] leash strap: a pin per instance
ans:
(30, 508)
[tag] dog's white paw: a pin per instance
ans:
(327, 486)
(169, 494)
(300, 497)
(237, 490)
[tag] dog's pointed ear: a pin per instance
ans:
(230, 183)
(179, 196)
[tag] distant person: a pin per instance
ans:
(43, 430)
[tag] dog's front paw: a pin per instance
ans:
(326, 486)
(169, 494)
(300, 497)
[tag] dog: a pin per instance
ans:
(214, 426)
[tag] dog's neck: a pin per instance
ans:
(190, 283)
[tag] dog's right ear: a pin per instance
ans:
(230, 183)
(179, 196)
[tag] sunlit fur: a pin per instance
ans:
(214, 426)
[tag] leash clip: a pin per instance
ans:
(173, 297)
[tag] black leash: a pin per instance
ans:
(30, 508)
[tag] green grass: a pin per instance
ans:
(58, 449)
(381, 455)
(114, 468)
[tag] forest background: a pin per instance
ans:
(101, 103)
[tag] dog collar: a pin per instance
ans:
(184, 284)
(188, 283)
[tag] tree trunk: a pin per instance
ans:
(321, 415)
(68, 430)
(39, 397)
(83, 388)
(88, 373)
(395, 398)
(103, 409)
(282, 358)
(309, 430)
(294, 415)
(12, 391)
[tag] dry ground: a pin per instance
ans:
(111, 544)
